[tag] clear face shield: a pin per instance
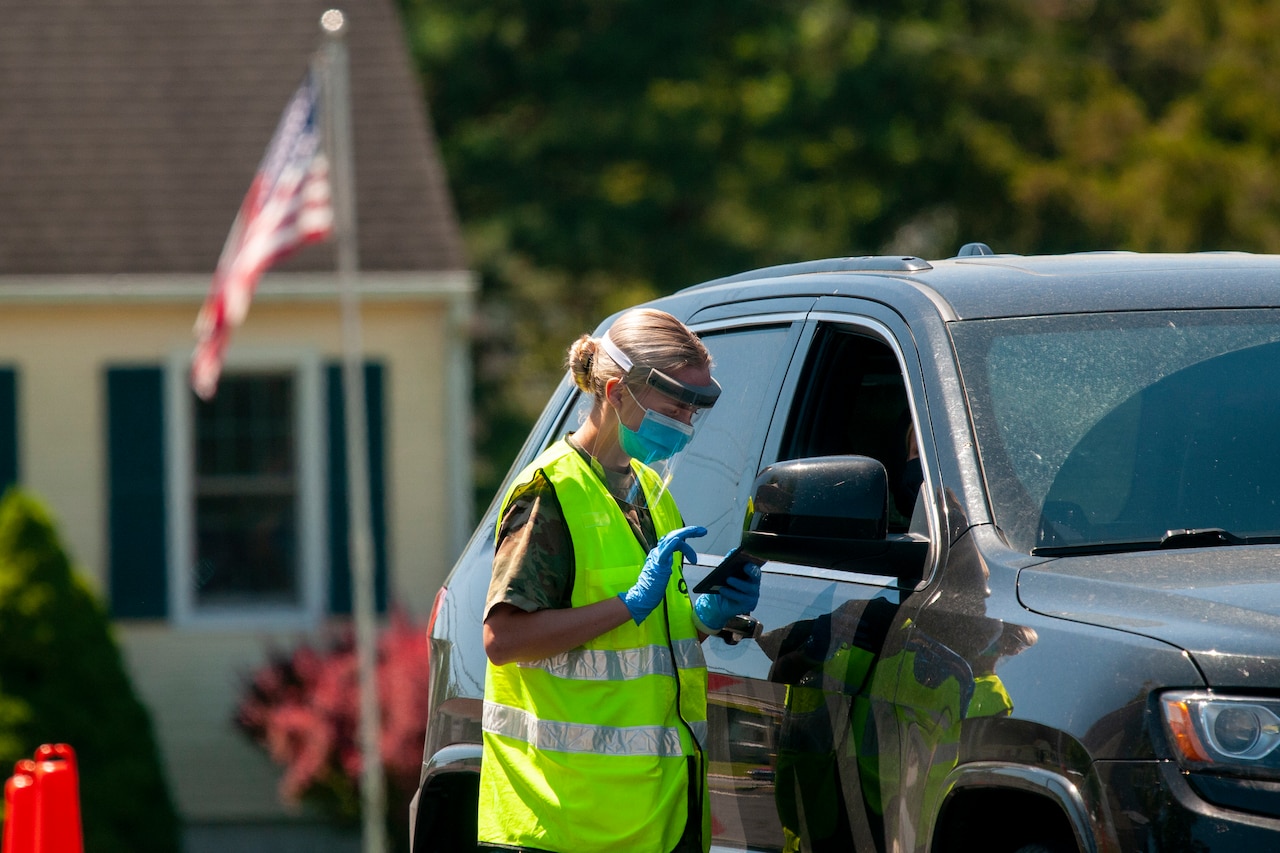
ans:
(672, 409)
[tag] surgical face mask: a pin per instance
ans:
(658, 437)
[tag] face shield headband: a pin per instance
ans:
(697, 396)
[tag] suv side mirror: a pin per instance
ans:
(832, 513)
(829, 512)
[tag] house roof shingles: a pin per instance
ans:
(130, 131)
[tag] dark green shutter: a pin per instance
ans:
(339, 549)
(136, 560)
(8, 427)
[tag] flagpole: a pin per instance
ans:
(338, 110)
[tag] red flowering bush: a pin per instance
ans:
(302, 707)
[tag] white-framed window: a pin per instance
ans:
(246, 507)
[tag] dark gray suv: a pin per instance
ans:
(1021, 517)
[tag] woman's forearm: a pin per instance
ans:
(512, 634)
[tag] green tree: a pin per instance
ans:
(1122, 125)
(62, 680)
(606, 151)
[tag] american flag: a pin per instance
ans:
(287, 207)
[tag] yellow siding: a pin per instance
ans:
(191, 678)
(191, 682)
(60, 353)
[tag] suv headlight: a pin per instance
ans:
(1223, 734)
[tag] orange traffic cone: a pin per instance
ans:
(58, 800)
(42, 804)
(20, 808)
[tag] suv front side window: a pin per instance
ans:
(853, 399)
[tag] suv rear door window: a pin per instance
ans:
(715, 472)
(718, 467)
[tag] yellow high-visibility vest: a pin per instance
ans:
(590, 750)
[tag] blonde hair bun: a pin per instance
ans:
(582, 355)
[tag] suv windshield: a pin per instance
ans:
(1107, 429)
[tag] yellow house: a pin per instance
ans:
(129, 133)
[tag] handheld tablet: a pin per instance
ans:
(734, 563)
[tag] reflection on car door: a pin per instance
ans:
(804, 750)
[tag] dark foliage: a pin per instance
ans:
(62, 680)
(607, 151)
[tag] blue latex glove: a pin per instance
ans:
(651, 586)
(737, 596)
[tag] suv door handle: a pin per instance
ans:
(739, 628)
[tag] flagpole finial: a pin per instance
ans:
(333, 22)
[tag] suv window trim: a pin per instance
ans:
(861, 323)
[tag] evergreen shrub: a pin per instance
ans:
(63, 680)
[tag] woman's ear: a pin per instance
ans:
(613, 391)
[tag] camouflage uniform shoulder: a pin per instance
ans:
(533, 565)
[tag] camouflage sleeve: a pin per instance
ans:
(533, 563)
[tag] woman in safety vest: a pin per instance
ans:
(595, 708)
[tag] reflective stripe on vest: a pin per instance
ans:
(658, 741)
(620, 664)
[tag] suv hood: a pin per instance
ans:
(1222, 605)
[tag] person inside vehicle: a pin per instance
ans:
(596, 687)
(908, 470)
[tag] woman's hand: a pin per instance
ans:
(739, 595)
(643, 598)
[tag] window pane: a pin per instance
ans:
(247, 428)
(246, 493)
(853, 400)
(247, 550)
(1116, 428)
(724, 452)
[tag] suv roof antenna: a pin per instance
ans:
(970, 249)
